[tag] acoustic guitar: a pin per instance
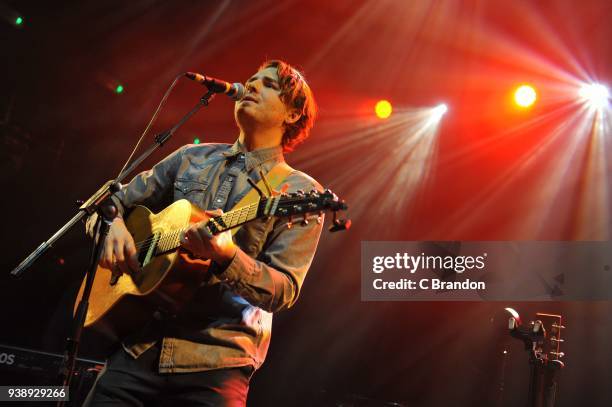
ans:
(168, 279)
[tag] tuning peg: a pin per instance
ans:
(304, 220)
(290, 222)
(320, 218)
(328, 193)
(339, 224)
(557, 364)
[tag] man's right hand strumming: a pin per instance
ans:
(119, 252)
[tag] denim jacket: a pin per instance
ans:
(228, 323)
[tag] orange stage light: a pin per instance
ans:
(383, 109)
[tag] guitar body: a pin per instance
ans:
(167, 280)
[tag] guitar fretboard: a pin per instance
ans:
(164, 242)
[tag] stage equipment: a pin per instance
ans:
(234, 90)
(29, 367)
(542, 340)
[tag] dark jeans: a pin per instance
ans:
(136, 382)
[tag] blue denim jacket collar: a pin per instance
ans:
(255, 158)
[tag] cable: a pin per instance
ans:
(151, 122)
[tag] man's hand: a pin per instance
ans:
(198, 240)
(119, 252)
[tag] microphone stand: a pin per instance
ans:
(101, 204)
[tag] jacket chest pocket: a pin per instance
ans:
(190, 189)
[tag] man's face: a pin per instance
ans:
(261, 107)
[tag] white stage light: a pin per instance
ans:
(439, 111)
(595, 95)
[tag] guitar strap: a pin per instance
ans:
(274, 178)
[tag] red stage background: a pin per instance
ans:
(487, 171)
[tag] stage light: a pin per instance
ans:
(437, 113)
(19, 21)
(383, 109)
(196, 140)
(119, 89)
(433, 116)
(525, 96)
(440, 110)
(595, 95)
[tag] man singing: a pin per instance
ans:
(206, 354)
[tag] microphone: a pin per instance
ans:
(234, 90)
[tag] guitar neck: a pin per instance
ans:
(285, 205)
(233, 218)
(165, 242)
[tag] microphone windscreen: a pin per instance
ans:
(237, 91)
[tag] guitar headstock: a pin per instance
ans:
(299, 202)
(550, 349)
(542, 337)
(304, 203)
